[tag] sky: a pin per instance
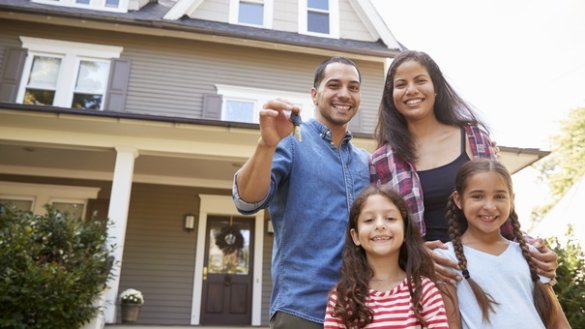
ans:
(520, 63)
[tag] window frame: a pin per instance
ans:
(16, 197)
(42, 194)
(93, 4)
(268, 8)
(71, 54)
(333, 20)
(261, 96)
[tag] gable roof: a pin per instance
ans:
(364, 9)
(153, 18)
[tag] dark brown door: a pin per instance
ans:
(227, 272)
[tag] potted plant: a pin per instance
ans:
(131, 301)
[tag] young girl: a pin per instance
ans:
(386, 274)
(502, 289)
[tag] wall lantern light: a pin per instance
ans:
(189, 222)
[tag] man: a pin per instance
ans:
(308, 187)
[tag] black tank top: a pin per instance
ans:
(437, 185)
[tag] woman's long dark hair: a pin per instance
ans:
(449, 107)
(543, 301)
(352, 289)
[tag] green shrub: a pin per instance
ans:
(52, 269)
(570, 288)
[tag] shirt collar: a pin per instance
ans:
(325, 132)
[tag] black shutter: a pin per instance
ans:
(117, 85)
(11, 73)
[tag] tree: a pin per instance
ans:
(570, 289)
(561, 169)
(52, 269)
(565, 163)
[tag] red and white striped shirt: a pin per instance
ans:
(394, 308)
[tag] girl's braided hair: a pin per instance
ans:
(543, 300)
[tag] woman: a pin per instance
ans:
(425, 132)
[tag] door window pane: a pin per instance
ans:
(251, 13)
(229, 248)
(239, 111)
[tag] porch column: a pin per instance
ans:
(118, 214)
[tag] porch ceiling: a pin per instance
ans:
(175, 153)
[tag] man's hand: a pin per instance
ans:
(443, 264)
(545, 260)
(274, 121)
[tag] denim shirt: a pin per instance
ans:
(313, 185)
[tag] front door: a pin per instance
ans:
(227, 272)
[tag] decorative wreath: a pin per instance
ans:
(229, 239)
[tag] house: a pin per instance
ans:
(142, 111)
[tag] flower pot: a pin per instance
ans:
(130, 312)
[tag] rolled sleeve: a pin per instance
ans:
(244, 207)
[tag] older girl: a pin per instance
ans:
(501, 288)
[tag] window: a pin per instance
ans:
(66, 74)
(319, 17)
(75, 208)
(20, 203)
(242, 104)
(104, 5)
(33, 197)
(251, 12)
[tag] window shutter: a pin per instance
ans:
(117, 85)
(212, 106)
(11, 73)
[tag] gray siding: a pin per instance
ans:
(170, 77)
(159, 255)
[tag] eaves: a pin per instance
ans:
(149, 21)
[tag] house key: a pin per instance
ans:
(295, 118)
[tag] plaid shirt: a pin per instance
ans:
(388, 168)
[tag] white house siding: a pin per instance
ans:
(286, 15)
(217, 11)
(351, 26)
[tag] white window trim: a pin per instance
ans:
(71, 53)
(93, 4)
(333, 20)
(30, 198)
(268, 13)
(45, 193)
(83, 202)
(260, 96)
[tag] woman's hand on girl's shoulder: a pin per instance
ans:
(443, 265)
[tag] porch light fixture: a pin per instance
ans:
(189, 222)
